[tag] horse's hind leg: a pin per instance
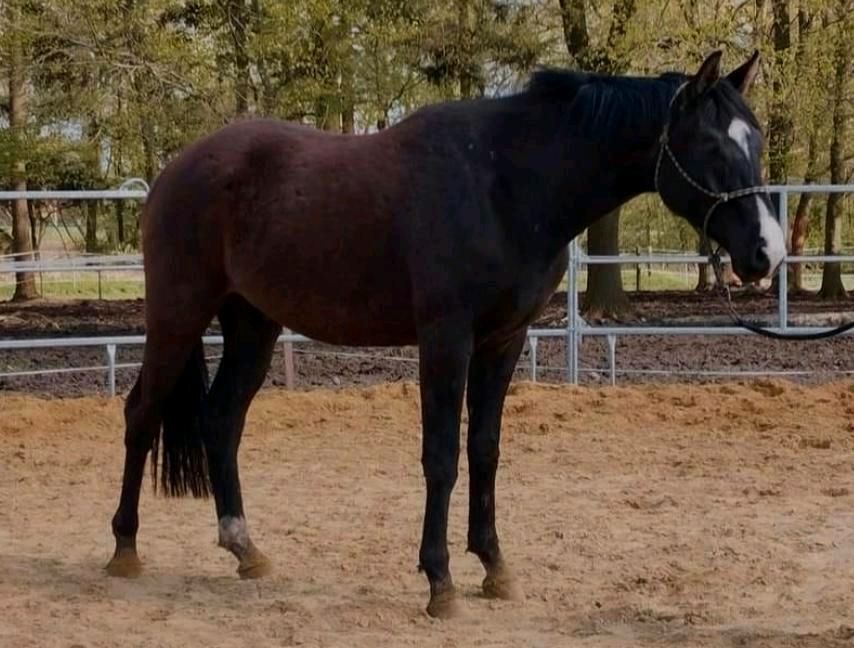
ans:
(490, 372)
(250, 339)
(138, 440)
(173, 368)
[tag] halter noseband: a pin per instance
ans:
(719, 198)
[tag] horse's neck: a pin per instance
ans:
(596, 183)
(586, 157)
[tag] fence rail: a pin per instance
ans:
(576, 328)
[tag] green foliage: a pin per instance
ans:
(118, 87)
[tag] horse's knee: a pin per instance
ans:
(483, 461)
(439, 470)
(440, 451)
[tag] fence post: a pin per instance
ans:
(532, 341)
(100, 293)
(111, 369)
(783, 272)
(637, 271)
(612, 358)
(572, 314)
(288, 348)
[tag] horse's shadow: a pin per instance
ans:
(86, 581)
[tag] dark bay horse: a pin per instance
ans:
(448, 230)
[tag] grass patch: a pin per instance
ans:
(85, 286)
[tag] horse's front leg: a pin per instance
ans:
(444, 352)
(490, 373)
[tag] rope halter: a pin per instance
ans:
(719, 198)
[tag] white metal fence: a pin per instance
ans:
(574, 332)
(577, 328)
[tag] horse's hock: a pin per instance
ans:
(638, 516)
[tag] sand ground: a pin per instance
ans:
(647, 516)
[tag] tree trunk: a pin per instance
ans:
(574, 19)
(328, 113)
(705, 272)
(91, 226)
(832, 287)
(800, 230)
(623, 12)
(22, 242)
(831, 279)
(266, 104)
(465, 27)
(780, 125)
(801, 220)
(327, 105)
(348, 81)
(142, 96)
(149, 156)
(92, 207)
(348, 112)
(604, 296)
(120, 222)
(780, 120)
(238, 18)
(34, 228)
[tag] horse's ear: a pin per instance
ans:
(743, 76)
(707, 75)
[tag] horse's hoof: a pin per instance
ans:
(124, 564)
(445, 605)
(255, 565)
(502, 586)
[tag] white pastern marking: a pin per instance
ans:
(233, 533)
(772, 234)
(739, 132)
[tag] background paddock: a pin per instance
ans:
(649, 358)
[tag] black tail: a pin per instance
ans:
(183, 465)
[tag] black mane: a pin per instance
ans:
(604, 107)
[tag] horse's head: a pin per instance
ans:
(709, 170)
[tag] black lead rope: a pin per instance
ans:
(759, 329)
(718, 199)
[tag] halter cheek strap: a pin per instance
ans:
(719, 198)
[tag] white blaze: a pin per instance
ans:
(772, 234)
(739, 132)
